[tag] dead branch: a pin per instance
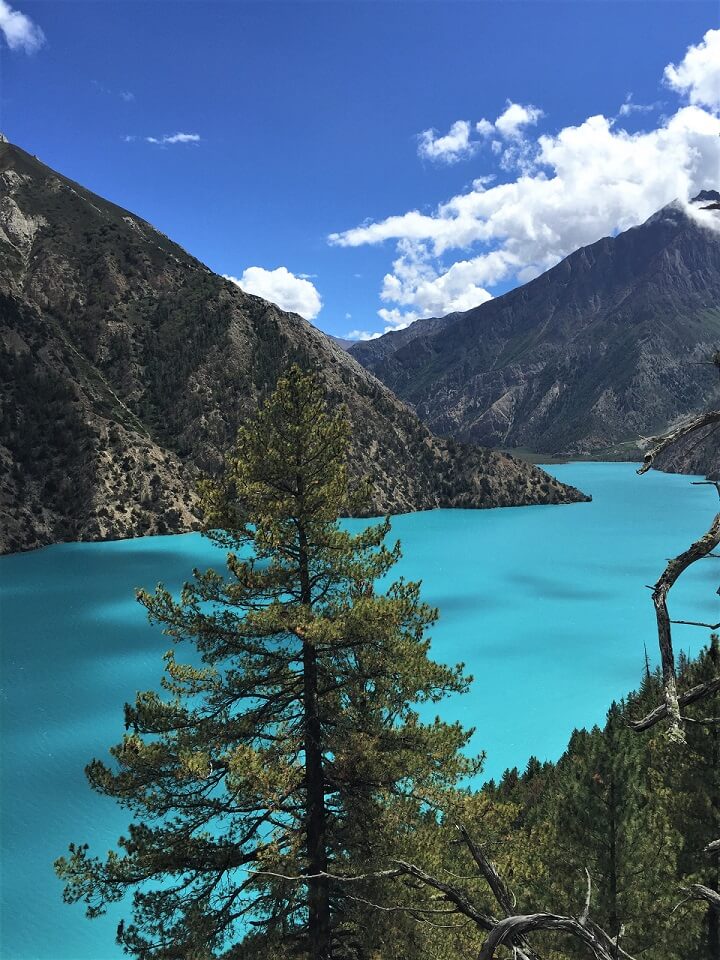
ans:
(696, 693)
(512, 930)
(697, 891)
(454, 896)
(489, 873)
(585, 915)
(695, 623)
(505, 933)
(667, 440)
(701, 548)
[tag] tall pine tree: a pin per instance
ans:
(288, 746)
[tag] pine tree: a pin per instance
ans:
(288, 746)
(693, 774)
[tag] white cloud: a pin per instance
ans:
(587, 181)
(516, 116)
(19, 31)
(127, 96)
(698, 74)
(457, 143)
(417, 284)
(454, 146)
(167, 140)
(282, 287)
(362, 335)
(629, 107)
(175, 138)
(565, 190)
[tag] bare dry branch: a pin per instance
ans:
(695, 623)
(677, 566)
(489, 872)
(699, 892)
(588, 897)
(696, 693)
(663, 442)
(511, 928)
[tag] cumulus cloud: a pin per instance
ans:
(457, 144)
(565, 190)
(19, 31)
(417, 284)
(515, 118)
(282, 287)
(454, 146)
(697, 76)
(173, 138)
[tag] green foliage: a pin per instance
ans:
(636, 812)
(288, 742)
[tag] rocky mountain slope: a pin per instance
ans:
(606, 347)
(126, 366)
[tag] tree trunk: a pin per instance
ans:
(713, 915)
(318, 886)
(614, 919)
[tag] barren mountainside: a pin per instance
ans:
(606, 347)
(126, 366)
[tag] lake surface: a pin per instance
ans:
(547, 606)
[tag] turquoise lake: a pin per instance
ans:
(547, 606)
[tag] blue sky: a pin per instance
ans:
(311, 154)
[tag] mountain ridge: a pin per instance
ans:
(606, 347)
(127, 365)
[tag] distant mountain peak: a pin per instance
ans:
(707, 196)
(605, 347)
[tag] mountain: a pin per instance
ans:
(608, 346)
(126, 366)
(340, 341)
